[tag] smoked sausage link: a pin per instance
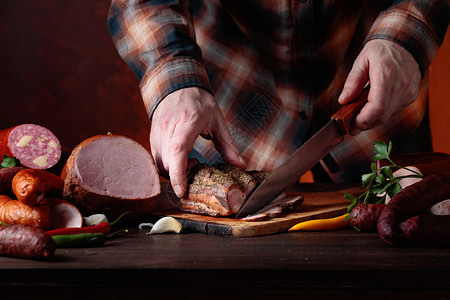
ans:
(31, 185)
(6, 177)
(412, 201)
(365, 216)
(16, 212)
(25, 242)
(35, 146)
(427, 229)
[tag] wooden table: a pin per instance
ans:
(317, 265)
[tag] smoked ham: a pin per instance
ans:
(247, 183)
(221, 190)
(211, 192)
(111, 174)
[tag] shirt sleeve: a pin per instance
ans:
(157, 41)
(419, 26)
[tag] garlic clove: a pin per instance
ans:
(166, 224)
(96, 219)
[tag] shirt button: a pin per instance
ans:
(302, 115)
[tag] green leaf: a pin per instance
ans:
(371, 198)
(367, 179)
(394, 190)
(389, 149)
(353, 201)
(386, 171)
(381, 188)
(382, 151)
(373, 167)
(380, 178)
(381, 200)
(9, 162)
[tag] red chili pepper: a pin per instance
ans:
(103, 227)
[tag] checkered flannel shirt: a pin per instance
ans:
(275, 68)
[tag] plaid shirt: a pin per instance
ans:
(275, 68)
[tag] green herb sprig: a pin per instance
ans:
(8, 162)
(381, 182)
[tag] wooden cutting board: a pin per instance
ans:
(320, 201)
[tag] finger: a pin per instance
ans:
(226, 145)
(177, 159)
(156, 150)
(377, 110)
(355, 82)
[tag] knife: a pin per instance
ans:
(305, 157)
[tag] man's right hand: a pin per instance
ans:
(178, 120)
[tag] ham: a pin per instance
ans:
(111, 174)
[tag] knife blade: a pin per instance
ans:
(305, 157)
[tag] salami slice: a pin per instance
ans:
(35, 146)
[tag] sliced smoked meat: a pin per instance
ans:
(211, 192)
(247, 183)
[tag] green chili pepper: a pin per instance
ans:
(4, 224)
(79, 240)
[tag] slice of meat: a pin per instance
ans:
(211, 192)
(111, 174)
(64, 214)
(282, 204)
(35, 146)
(247, 183)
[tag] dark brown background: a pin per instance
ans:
(60, 69)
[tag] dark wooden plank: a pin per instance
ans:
(338, 264)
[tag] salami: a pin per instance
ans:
(26, 242)
(427, 229)
(365, 216)
(35, 146)
(412, 201)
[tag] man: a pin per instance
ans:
(258, 78)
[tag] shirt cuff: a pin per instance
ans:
(171, 76)
(408, 31)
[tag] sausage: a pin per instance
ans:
(35, 146)
(6, 177)
(31, 185)
(26, 242)
(427, 229)
(364, 217)
(431, 168)
(16, 212)
(412, 201)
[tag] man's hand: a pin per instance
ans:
(394, 78)
(178, 120)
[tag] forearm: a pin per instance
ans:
(418, 26)
(157, 41)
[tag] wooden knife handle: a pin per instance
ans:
(344, 116)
